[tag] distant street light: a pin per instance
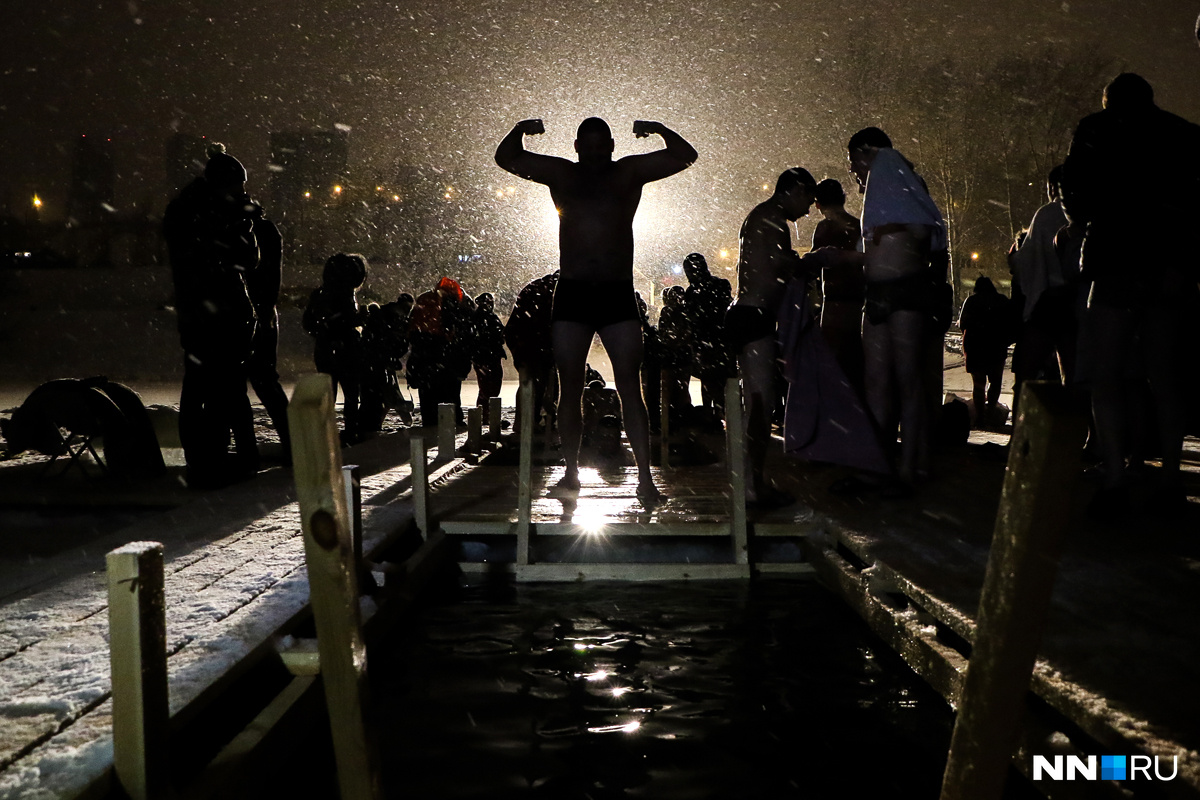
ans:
(724, 253)
(37, 202)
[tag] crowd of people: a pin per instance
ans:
(855, 377)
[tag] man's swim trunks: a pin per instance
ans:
(916, 292)
(746, 324)
(596, 304)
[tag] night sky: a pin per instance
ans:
(755, 86)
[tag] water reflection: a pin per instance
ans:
(718, 689)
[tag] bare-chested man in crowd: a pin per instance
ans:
(596, 199)
(904, 238)
(766, 262)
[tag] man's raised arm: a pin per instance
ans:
(677, 156)
(512, 156)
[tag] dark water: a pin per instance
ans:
(770, 689)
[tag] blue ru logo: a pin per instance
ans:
(1112, 768)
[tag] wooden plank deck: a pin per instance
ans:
(603, 532)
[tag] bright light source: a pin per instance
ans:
(337, 190)
(724, 253)
(396, 197)
(677, 268)
(974, 256)
(598, 675)
(620, 690)
(37, 201)
(499, 193)
(308, 194)
(379, 188)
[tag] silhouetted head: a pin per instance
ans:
(984, 285)
(345, 270)
(1054, 183)
(861, 151)
(594, 141)
(486, 302)
(405, 301)
(672, 296)
(1128, 92)
(829, 194)
(641, 304)
(794, 191)
(695, 267)
(223, 171)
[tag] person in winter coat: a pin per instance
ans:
(434, 367)
(209, 230)
(986, 323)
(333, 318)
(489, 351)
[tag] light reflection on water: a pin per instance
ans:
(715, 689)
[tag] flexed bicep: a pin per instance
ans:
(536, 167)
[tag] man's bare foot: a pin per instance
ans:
(649, 495)
(567, 484)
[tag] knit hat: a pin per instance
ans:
(222, 168)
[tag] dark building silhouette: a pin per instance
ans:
(93, 176)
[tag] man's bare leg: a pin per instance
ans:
(623, 342)
(757, 364)
(877, 374)
(571, 342)
(909, 358)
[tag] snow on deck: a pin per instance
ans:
(234, 574)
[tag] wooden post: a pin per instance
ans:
(525, 470)
(137, 629)
(353, 487)
(445, 431)
(475, 430)
(420, 484)
(495, 416)
(1036, 513)
(664, 417)
(735, 446)
(333, 582)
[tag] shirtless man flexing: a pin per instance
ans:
(596, 199)
(766, 262)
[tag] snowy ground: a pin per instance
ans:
(234, 575)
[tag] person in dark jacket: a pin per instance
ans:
(527, 334)
(489, 351)
(333, 318)
(262, 284)
(1135, 330)
(675, 348)
(705, 301)
(434, 366)
(209, 230)
(986, 323)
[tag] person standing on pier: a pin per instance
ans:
(596, 198)
(210, 233)
(766, 262)
(908, 302)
